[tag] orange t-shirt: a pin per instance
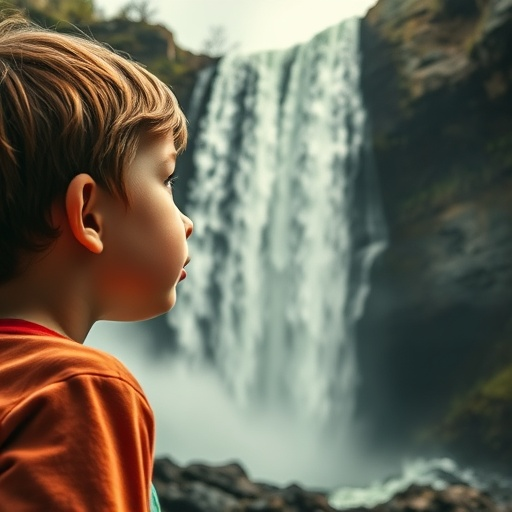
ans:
(76, 431)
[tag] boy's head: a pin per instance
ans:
(68, 106)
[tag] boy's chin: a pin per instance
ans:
(146, 311)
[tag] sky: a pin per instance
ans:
(249, 25)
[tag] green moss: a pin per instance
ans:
(478, 30)
(456, 185)
(480, 423)
(400, 19)
(499, 151)
(499, 388)
(384, 142)
(499, 144)
(460, 181)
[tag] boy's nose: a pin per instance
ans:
(189, 225)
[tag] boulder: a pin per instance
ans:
(227, 488)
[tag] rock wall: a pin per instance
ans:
(437, 81)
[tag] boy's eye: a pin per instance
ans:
(169, 182)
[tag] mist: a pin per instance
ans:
(197, 421)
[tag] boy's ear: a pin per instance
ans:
(84, 217)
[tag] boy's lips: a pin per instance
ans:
(183, 274)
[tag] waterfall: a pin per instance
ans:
(271, 298)
(287, 226)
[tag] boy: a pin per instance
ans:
(88, 231)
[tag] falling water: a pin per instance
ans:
(271, 299)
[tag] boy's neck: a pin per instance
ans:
(69, 325)
(52, 293)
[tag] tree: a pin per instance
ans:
(138, 10)
(216, 43)
(75, 11)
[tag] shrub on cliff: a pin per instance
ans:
(479, 426)
(150, 44)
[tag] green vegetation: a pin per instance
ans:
(475, 36)
(478, 424)
(130, 32)
(457, 185)
(481, 422)
(500, 150)
(73, 11)
(460, 180)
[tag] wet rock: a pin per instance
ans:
(230, 478)
(202, 488)
(456, 498)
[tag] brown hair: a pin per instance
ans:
(68, 105)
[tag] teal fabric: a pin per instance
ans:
(154, 504)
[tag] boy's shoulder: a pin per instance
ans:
(29, 362)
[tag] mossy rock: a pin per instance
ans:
(479, 426)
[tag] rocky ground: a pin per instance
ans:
(201, 488)
(455, 498)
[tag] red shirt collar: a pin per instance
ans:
(17, 326)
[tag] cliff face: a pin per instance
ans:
(437, 80)
(154, 46)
